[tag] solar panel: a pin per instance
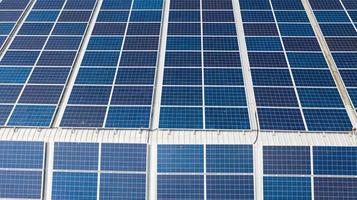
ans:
(289, 69)
(116, 76)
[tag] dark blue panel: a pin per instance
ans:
(28, 42)
(14, 74)
(345, 60)
(342, 44)
(320, 97)
(49, 75)
(148, 4)
(128, 117)
(307, 60)
(268, 60)
(353, 96)
(4, 113)
(184, 16)
(141, 43)
(260, 29)
(287, 5)
(2, 40)
(338, 29)
(275, 97)
(145, 16)
(279, 188)
(222, 59)
(291, 16)
(80, 4)
(9, 93)
(136, 76)
(109, 29)
(113, 16)
(63, 43)
(176, 117)
(180, 187)
(185, 4)
(335, 161)
(80, 116)
(57, 58)
(132, 95)
(323, 5)
(227, 118)
(296, 30)
(331, 16)
(301, 44)
(230, 187)
(335, 188)
(75, 156)
(264, 44)
(21, 184)
(183, 43)
(219, 29)
(9, 16)
(116, 4)
(182, 76)
(22, 155)
(42, 16)
(217, 4)
(350, 4)
(183, 59)
(41, 94)
(181, 96)
(280, 119)
(124, 157)
(313, 78)
(217, 16)
(13, 58)
(69, 29)
(138, 59)
(122, 186)
(95, 76)
(45, 4)
(180, 158)
(271, 77)
(109, 59)
(143, 29)
(105, 43)
(286, 160)
(6, 28)
(223, 77)
(349, 77)
(74, 185)
(35, 29)
(184, 29)
(327, 120)
(96, 95)
(25, 115)
(255, 5)
(225, 96)
(9, 4)
(257, 16)
(74, 16)
(229, 159)
(220, 43)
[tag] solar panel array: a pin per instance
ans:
(303, 172)
(205, 172)
(21, 170)
(92, 170)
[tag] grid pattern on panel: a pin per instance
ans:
(338, 22)
(10, 13)
(21, 169)
(92, 170)
(293, 86)
(114, 86)
(38, 61)
(287, 172)
(203, 86)
(188, 171)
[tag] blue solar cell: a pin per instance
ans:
(221, 59)
(9, 93)
(320, 97)
(112, 187)
(223, 77)
(81, 116)
(181, 96)
(95, 76)
(113, 16)
(286, 160)
(96, 59)
(313, 78)
(74, 185)
(220, 43)
(184, 16)
(331, 16)
(255, 5)
(345, 60)
(349, 77)
(217, 16)
(49, 75)
(287, 187)
(144, 29)
(116, 4)
(14, 74)
(225, 96)
(35, 29)
(9, 4)
(260, 29)
(63, 43)
(145, 16)
(342, 44)
(180, 158)
(5, 28)
(5, 111)
(350, 4)
(230, 187)
(275, 97)
(180, 187)
(21, 155)
(123, 157)
(2, 40)
(42, 16)
(229, 158)
(148, 4)
(28, 42)
(183, 59)
(353, 96)
(128, 117)
(132, 95)
(264, 44)
(280, 119)
(69, 29)
(287, 5)
(44, 4)
(57, 58)
(301, 44)
(138, 59)
(109, 29)
(335, 188)
(141, 43)
(182, 76)
(184, 29)
(8, 16)
(217, 4)
(185, 117)
(338, 29)
(135, 76)
(96, 95)
(257, 16)
(307, 60)
(105, 43)
(323, 5)
(74, 16)
(21, 184)
(219, 29)
(30, 115)
(291, 16)
(41, 94)
(79, 4)
(296, 30)
(271, 77)
(227, 118)
(185, 4)
(183, 43)
(13, 58)
(267, 59)
(327, 120)
(76, 156)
